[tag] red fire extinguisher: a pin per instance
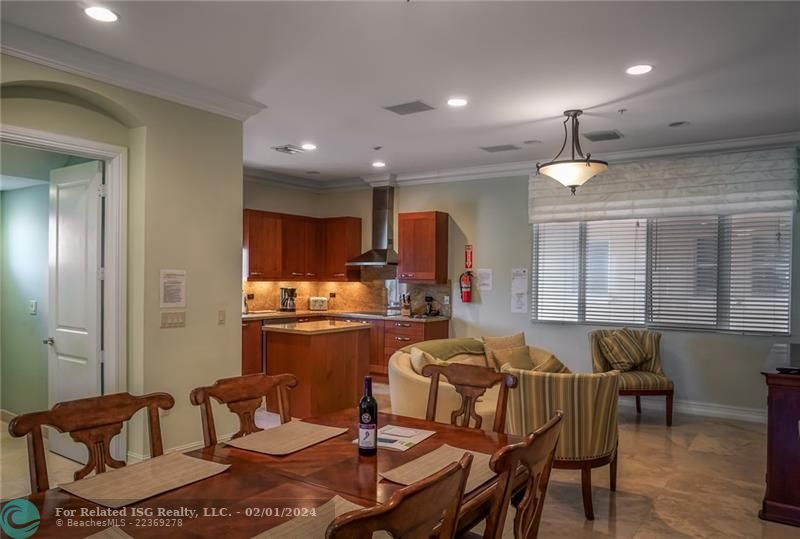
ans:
(465, 283)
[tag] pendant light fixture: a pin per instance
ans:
(573, 172)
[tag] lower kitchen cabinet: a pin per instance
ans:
(251, 347)
(398, 334)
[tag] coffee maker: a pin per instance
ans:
(288, 296)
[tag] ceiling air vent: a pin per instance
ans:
(290, 149)
(599, 136)
(499, 148)
(409, 108)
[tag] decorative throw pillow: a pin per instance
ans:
(490, 344)
(622, 350)
(419, 359)
(545, 361)
(518, 357)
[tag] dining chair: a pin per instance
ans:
(535, 456)
(243, 395)
(93, 422)
(427, 508)
(471, 382)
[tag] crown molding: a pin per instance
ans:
(266, 177)
(64, 56)
(526, 168)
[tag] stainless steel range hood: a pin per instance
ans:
(382, 252)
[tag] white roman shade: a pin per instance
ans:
(712, 184)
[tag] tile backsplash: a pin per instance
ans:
(350, 296)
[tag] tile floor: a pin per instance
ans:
(703, 478)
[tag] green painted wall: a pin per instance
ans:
(23, 225)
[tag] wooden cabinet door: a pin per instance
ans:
(313, 244)
(377, 361)
(294, 250)
(422, 242)
(342, 240)
(251, 347)
(262, 245)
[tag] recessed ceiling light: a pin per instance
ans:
(378, 164)
(101, 14)
(308, 146)
(639, 69)
(457, 102)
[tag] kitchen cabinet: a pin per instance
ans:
(251, 347)
(422, 244)
(263, 245)
(400, 333)
(282, 247)
(342, 240)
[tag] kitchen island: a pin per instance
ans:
(329, 358)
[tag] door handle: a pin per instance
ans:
(49, 341)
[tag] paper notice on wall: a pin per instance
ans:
(484, 279)
(172, 285)
(519, 290)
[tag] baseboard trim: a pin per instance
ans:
(134, 457)
(707, 409)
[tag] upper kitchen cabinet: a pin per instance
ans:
(422, 242)
(263, 232)
(342, 239)
(282, 247)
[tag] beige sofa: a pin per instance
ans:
(409, 391)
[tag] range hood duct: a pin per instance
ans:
(382, 252)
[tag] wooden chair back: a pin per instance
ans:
(92, 422)
(243, 395)
(535, 455)
(471, 382)
(425, 509)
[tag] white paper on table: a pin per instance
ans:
(484, 278)
(172, 286)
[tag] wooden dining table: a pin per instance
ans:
(259, 491)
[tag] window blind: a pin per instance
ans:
(717, 272)
(684, 265)
(615, 271)
(556, 256)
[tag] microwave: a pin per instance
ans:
(317, 304)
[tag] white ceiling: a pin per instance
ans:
(325, 70)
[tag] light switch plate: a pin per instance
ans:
(173, 319)
(446, 300)
(33, 307)
(221, 317)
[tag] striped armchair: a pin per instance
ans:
(589, 429)
(647, 380)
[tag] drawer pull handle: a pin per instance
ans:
(296, 274)
(399, 325)
(311, 274)
(402, 338)
(256, 273)
(338, 274)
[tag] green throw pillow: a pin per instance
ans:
(622, 350)
(517, 358)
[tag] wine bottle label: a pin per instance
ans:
(367, 435)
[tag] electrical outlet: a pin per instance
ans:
(173, 319)
(33, 307)
(332, 295)
(446, 300)
(251, 296)
(221, 317)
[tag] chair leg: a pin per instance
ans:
(669, 409)
(613, 472)
(638, 404)
(586, 485)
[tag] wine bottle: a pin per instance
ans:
(367, 421)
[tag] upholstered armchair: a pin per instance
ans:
(647, 379)
(589, 430)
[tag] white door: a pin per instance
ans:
(74, 311)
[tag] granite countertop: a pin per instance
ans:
(280, 315)
(316, 327)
